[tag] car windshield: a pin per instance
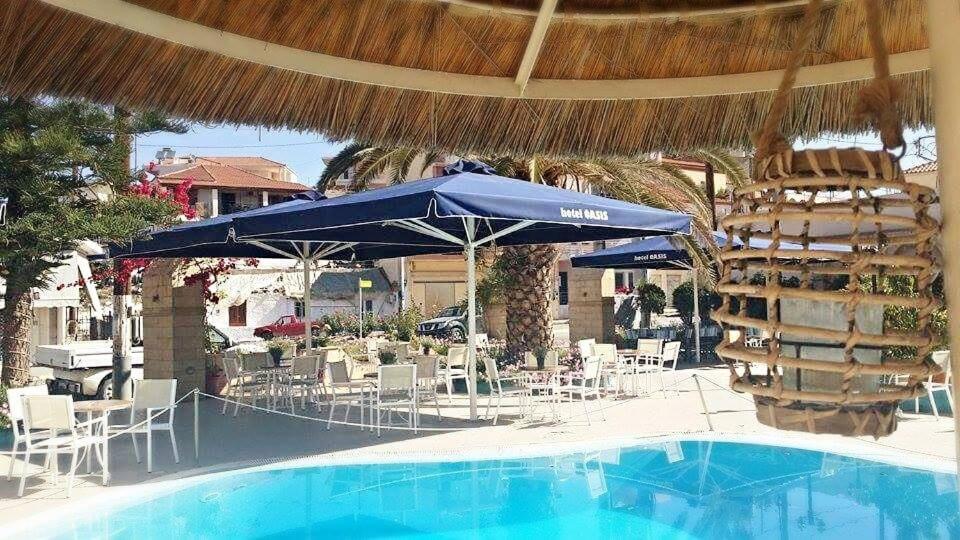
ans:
(453, 311)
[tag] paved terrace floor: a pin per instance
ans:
(254, 438)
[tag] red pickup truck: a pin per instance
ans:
(286, 326)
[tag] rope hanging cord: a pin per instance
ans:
(851, 219)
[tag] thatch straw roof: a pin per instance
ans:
(579, 77)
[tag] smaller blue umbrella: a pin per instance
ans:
(654, 253)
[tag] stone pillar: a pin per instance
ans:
(591, 305)
(174, 322)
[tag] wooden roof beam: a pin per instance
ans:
(537, 35)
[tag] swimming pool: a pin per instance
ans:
(686, 489)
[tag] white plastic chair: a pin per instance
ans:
(15, 402)
(585, 347)
(303, 380)
(50, 427)
(428, 368)
(342, 389)
(942, 359)
(456, 369)
(518, 389)
(240, 384)
(665, 362)
(584, 385)
(396, 389)
(150, 397)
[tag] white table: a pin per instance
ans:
(101, 408)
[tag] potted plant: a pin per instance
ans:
(540, 353)
(277, 348)
(216, 378)
(387, 358)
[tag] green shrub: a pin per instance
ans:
(651, 299)
(683, 302)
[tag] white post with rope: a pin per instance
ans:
(703, 401)
(196, 424)
(696, 313)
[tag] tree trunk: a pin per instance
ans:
(529, 320)
(17, 327)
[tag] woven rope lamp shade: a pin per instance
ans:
(804, 329)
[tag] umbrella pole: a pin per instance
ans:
(307, 323)
(696, 313)
(470, 250)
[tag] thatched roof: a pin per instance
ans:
(585, 77)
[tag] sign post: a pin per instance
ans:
(363, 284)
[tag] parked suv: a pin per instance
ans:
(450, 322)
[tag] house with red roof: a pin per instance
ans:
(227, 184)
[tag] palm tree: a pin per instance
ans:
(640, 180)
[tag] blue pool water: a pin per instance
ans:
(692, 489)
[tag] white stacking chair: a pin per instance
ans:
(483, 343)
(584, 385)
(240, 384)
(942, 359)
(613, 368)
(396, 389)
(666, 361)
(518, 388)
(340, 388)
(303, 380)
(150, 397)
(15, 403)
(585, 346)
(456, 369)
(428, 369)
(50, 428)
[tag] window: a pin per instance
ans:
(298, 308)
(563, 292)
(238, 315)
(623, 281)
(368, 306)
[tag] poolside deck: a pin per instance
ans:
(255, 438)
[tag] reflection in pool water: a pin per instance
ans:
(692, 489)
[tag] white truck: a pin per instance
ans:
(84, 368)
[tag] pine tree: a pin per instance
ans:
(64, 171)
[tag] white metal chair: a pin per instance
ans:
(428, 368)
(15, 414)
(150, 397)
(240, 384)
(456, 369)
(483, 343)
(50, 427)
(517, 388)
(303, 380)
(396, 389)
(942, 359)
(340, 388)
(585, 347)
(665, 362)
(585, 384)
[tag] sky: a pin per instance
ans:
(304, 152)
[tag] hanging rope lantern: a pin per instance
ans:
(803, 319)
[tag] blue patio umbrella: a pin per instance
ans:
(214, 237)
(468, 207)
(652, 253)
(670, 252)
